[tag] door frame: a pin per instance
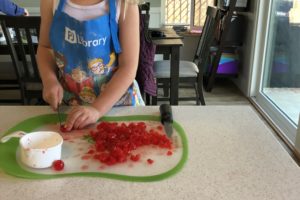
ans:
(283, 124)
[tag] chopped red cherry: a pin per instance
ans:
(63, 128)
(114, 142)
(91, 151)
(135, 158)
(58, 165)
(169, 153)
(150, 161)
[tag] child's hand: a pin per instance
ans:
(81, 116)
(53, 93)
(26, 13)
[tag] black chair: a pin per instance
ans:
(9, 85)
(222, 42)
(191, 72)
(21, 34)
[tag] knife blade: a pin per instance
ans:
(58, 114)
(166, 118)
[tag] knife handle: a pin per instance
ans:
(166, 113)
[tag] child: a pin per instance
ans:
(79, 40)
(9, 8)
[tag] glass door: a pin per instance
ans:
(278, 60)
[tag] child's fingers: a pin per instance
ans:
(52, 102)
(60, 94)
(51, 98)
(55, 103)
(72, 117)
(88, 121)
(81, 121)
(56, 98)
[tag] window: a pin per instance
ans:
(186, 12)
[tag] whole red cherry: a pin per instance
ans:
(58, 165)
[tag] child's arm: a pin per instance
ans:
(122, 78)
(52, 90)
(127, 60)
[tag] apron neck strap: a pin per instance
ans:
(114, 26)
(61, 5)
(112, 21)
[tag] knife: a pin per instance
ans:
(166, 118)
(58, 114)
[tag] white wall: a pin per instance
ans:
(243, 81)
(33, 6)
(27, 3)
(155, 17)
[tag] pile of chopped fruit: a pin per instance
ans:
(115, 142)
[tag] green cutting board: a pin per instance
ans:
(78, 165)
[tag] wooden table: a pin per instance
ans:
(169, 46)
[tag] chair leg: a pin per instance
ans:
(197, 94)
(210, 76)
(166, 88)
(200, 89)
(147, 99)
(166, 91)
(154, 100)
(201, 95)
(23, 94)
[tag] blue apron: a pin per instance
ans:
(85, 53)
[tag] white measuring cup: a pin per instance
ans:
(38, 149)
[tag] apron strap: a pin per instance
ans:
(114, 26)
(61, 4)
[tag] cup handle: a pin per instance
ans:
(17, 134)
